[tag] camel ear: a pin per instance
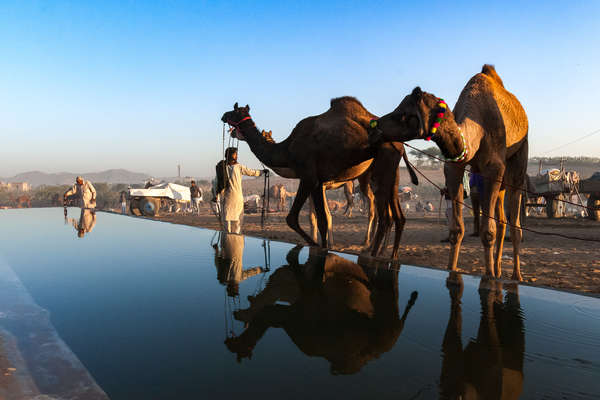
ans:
(247, 107)
(235, 106)
(417, 94)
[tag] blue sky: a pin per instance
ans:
(86, 86)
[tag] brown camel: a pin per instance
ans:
(278, 194)
(338, 310)
(488, 131)
(22, 201)
(363, 181)
(307, 154)
(491, 365)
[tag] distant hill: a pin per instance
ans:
(37, 178)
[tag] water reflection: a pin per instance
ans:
(228, 261)
(86, 222)
(336, 309)
(491, 366)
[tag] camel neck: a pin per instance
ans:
(273, 155)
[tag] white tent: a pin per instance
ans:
(170, 190)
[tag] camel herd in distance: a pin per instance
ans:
(486, 133)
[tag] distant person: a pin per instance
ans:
(215, 202)
(196, 195)
(123, 200)
(419, 207)
(83, 192)
(429, 206)
(229, 187)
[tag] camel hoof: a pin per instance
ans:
(517, 277)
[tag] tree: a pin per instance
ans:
(436, 155)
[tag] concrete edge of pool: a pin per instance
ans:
(35, 363)
(562, 290)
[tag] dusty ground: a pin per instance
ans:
(545, 260)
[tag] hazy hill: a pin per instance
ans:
(37, 178)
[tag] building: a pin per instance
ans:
(15, 186)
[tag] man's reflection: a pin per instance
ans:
(337, 309)
(228, 261)
(491, 366)
(86, 222)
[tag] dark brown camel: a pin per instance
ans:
(338, 310)
(491, 365)
(307, 153)
(22, 201)
(488, 131)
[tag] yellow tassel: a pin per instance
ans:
(433, 130)
(442, 105)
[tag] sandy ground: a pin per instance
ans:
(548, 261)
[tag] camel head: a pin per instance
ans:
(412, 119)
(268, 136)
(235, 117)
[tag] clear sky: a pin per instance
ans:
(141, 85)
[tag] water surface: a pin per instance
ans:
(155, 311)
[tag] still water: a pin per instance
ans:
(161, 311)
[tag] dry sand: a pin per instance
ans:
(548, 261)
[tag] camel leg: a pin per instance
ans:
(329, 219)
(383, 223)
(348, 191)
(516, 234)
(304, 190)
(501, 228)
(491, 187)
(318, 196)
(312, 218)
(313, 221)
(369, 197)
(399, 221)
(516, 177)
(456, 228)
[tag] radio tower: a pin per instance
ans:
(179, 171)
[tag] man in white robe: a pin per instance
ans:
(83, 192)
(232, 198)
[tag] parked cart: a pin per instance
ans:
(163, 196)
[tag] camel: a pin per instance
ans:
(22, 201)
(487, 130)
(491, 365)
(307, 154)
(338, 310)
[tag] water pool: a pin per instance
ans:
(153, 311)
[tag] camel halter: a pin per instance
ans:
(438, 120)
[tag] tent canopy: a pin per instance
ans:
(166, 189)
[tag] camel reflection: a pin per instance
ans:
(338, 310)
(491, 366)
(86, 222)
(228, 261)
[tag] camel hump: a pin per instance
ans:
(351, 108)
(345, 102)
(490, 71)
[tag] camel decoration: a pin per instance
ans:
(307, 155)
(491, 365)
(338, 310)
(487, 130)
